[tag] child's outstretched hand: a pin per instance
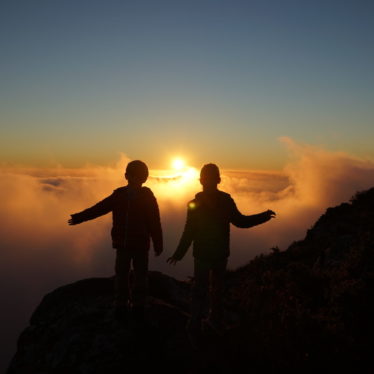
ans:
(271, 214)
(73, 221)
(171, 261)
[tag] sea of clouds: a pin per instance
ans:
(40, 252)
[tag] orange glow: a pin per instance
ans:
(178, 164)
(190, 174)
(179, 179)
(184, 173)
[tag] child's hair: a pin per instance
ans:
(210, 171)
(137, 169)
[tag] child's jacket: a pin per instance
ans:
(136, 218)
(208, 226)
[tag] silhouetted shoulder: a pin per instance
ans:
(147, 191)
(221, 194)
(218, 197)
(119, 193)
(120, 190)
(225, 195)
(192, 204)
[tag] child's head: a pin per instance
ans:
(136, 173)
(209, 176)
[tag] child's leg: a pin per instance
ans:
(199, 291)
(140, 289)
(121, 280)
(216, 290)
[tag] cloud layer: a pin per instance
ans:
(39, 251)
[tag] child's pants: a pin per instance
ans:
(208, 277)
(123, 290)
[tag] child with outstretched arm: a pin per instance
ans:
(136, 220)
(208, 228)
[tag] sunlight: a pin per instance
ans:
(184, 173)
(178, 164)
(179, 179)
(190, 174)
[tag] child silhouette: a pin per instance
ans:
(208, 227)
(136, 219)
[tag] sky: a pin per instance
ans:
(278, 93)
(83, 81)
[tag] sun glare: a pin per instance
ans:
(178, 164)
(190, 174)
(180, 178)
(184, 172)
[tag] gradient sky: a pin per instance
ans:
(82, 81)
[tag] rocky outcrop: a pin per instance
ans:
(74, 330)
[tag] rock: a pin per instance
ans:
(74, 330)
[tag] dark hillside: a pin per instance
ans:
(311, 306)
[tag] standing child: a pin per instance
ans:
(136, 219)
(208, 227)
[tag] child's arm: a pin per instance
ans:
(243, 221)
(99, 209)
(186, 238)
(155, 226)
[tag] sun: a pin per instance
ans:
(179, 178)
(184, 172)
(178, 164)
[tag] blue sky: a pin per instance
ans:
(212, 80)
